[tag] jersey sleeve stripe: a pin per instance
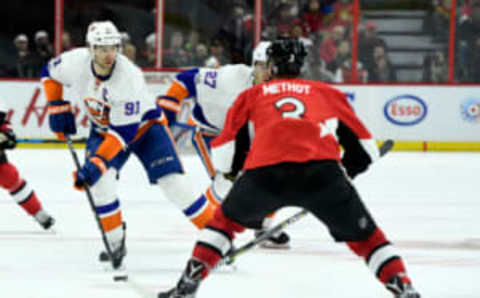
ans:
(53, 89)
(110, 147)
(178, 90)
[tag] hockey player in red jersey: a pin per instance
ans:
(13, 183)
(205, 95)
(294, 160)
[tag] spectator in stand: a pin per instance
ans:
(125, 37)
(344, 73)
(67, 43)
(130, 51)
(175, 55)
(193, 41)
(475, 71)
(44, 48)
(342, 14)
(235, 34)
(217, 54)
(147, 58)
(200, 55)
(382, 69)
(319, 70)
(283, 19)
(298, 32)
(367, 43)
(441, 19)
(342, 55)
(435, 68)
(27, 65)
(468, 32)
(467, 6)
(328, 47)
(314, 16)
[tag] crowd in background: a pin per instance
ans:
(30, 58)
(324, 26)
(468, 42)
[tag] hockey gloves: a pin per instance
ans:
(61, 118)
(90, 173)
(7, 137)
(355, 164)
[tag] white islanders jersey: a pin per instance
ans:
(213, 90)
(116, 103)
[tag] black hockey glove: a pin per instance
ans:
(7, 140)
(355, 164)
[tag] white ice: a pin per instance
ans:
(427, 203)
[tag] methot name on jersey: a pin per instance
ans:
(286, 87)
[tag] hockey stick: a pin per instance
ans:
(196, 128)
(90, 200)
(135, 286)
(232, 255)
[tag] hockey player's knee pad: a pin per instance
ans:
(178, 190)
(105, 190)
(9, 176)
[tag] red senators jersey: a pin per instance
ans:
(292, 120)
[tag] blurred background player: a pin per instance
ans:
(294, 160)
(124, 119)
(11, 181)
(206, 94)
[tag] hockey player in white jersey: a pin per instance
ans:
(124, 119)
(209, 93)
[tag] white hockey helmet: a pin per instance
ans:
(260, 52)
(103, 34)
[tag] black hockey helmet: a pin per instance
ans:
(287, 56)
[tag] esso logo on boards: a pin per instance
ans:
(405, 110)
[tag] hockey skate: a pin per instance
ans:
(118, 253)
(279, 240)
(188, 284)
(401, 288)
(44, 219)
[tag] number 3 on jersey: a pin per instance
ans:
(291, 107)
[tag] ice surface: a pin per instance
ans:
(427, 203)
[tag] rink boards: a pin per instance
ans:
(418, 117)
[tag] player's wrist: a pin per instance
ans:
(96, 166)
(59, 106)
(61, 118)
(91, 171)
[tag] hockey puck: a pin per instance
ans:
(120, 278)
